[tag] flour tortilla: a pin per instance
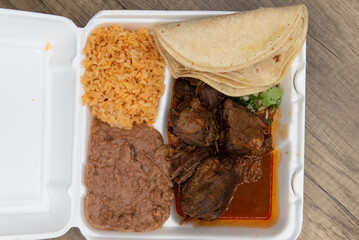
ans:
(237, 54)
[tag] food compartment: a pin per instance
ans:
(37, 105)
(292, 110)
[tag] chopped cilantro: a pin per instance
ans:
(268, 99)
(271, 97)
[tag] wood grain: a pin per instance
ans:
(331, 207)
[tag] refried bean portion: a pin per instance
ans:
(127, 178)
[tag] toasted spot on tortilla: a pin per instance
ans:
(276, 58)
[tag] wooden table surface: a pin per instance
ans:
(331, 185)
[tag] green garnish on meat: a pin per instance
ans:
(271, 97)
(258, 102)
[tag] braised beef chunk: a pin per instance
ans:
(245, 130)
(183, 91)
(209, 97)
(206, 193)
(191, 87)
(195, 125)
(185, 161)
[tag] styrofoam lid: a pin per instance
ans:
(36, 125)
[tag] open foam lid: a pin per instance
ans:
(37, 120)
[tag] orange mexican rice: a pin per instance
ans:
(124, 75)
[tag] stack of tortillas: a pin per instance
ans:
(237, 54)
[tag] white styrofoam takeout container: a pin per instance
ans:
(44, 131)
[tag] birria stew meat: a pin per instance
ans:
(222, 160)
